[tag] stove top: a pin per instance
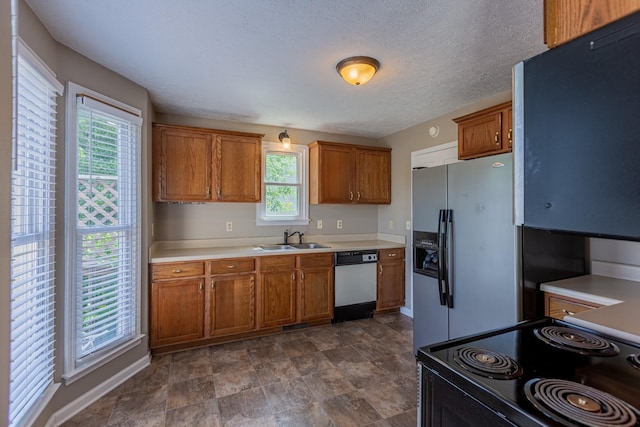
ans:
(545, 372)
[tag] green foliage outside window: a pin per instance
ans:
(281, 181)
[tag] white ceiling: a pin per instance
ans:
(273, 62)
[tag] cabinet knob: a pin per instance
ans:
(201, 286)
(302, 276)
(497, 138)
(178, 271)
(358, 195)
(510, 136)
(231, 266)
(218, 191)
(570, 313)
(350, 195)
(380, 268)
(392, 254)
(208, 191)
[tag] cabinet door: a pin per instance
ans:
(507, 128)
(390, 285)
(278, 298)
(479, 136)
(182, 165)
(177, 311)
(316, 294)
(232, 304)
(566, 20)
(332, 175)
(373, 176)
(237, 169)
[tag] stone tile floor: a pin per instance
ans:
(357, 373)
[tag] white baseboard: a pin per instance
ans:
(66, 413)
(407, 311)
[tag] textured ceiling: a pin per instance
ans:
(273, 61)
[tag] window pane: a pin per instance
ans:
(282, 200)
(32, 241)
(106, 231)
(282, 168)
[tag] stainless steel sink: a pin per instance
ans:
(309, 246)
(278, 247)
(283, 247)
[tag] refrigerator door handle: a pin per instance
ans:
(441, 257)
(448, 253)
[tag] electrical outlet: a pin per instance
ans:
(229, 226)
(339, 224)
(408, 225)
(390, 224)
(319, 224)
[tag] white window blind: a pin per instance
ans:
(32, 236)
(105, 230)
(284, 184)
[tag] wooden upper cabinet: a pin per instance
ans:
(205, 165)
(565, 20)
(373, 172)
(485, 132)
(347, 174)
(182, 165)
(237, 168)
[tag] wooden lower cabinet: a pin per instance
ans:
(277, 291)
(316, 287)
(177, 311)
(390, 281)
(558, 306)
(231, 304)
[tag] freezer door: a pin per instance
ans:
(429, 195)
(430, 319)
(482, 268)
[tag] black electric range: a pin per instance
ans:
(542, 372)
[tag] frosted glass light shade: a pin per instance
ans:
(357, 70)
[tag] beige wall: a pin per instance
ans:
(71, 66)
(404, 143)
(207, 220)
(6, 111)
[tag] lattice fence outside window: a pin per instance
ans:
(97, 201)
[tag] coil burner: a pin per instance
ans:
(634, 360)
(487, 363)
(577, 341)
(574, 404)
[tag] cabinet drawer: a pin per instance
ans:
(390, 254)
(233, 265)
(277, 263)
(558, 306)
(180, 269)
(316, 260)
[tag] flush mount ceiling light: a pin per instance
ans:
(284, 138)
(357, 70)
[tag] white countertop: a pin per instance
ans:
(232, 248)
(619, 317)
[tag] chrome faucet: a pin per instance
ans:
(287, 236)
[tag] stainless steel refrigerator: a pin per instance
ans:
(473, 269)
(465, 276)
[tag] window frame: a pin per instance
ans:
(302, 151)
(74, 367)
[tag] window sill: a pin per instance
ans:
(280, 222)
(93, 364)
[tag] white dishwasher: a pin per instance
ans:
(355, 284)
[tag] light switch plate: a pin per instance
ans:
(319, 224)
(229, 226)
(408, 225)
(339, 224)
(390, 224)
